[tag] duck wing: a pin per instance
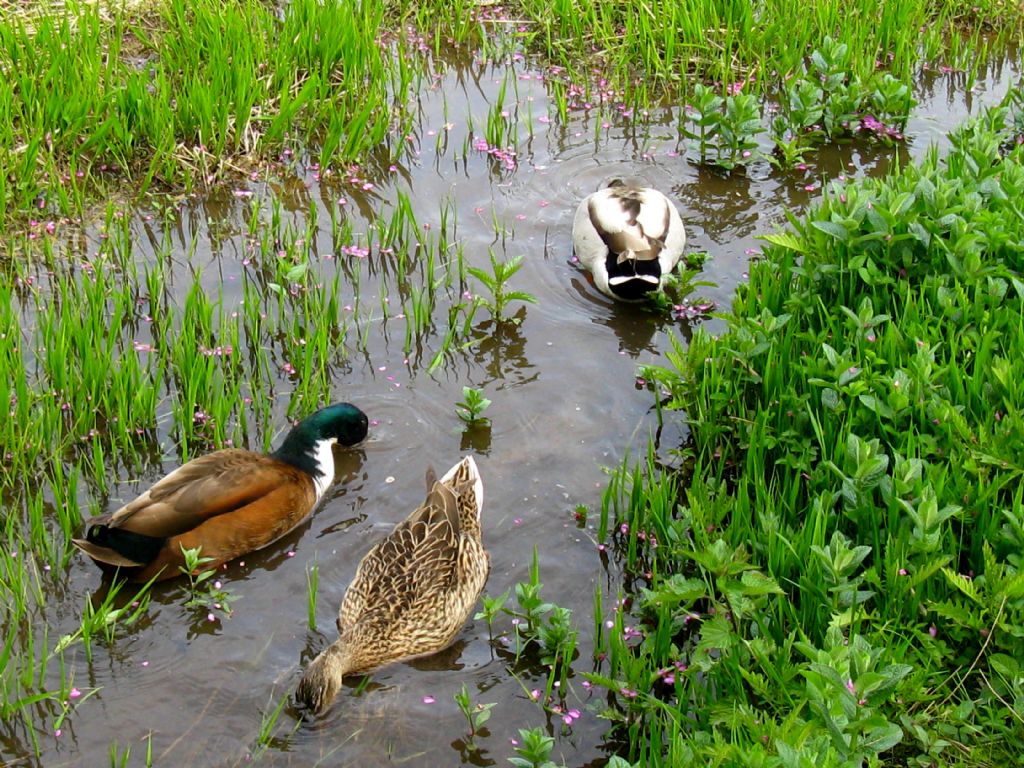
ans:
(418, 558)
(201, 489)
(632, 223)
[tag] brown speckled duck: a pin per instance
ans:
(628, 236)
(227, 503)
(412, 592)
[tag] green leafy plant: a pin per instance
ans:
(534, 749)
(531, 606)
(704, 114)
(844, 536)
(542, 625)
(472, 405)
(497, 284)
(891, 99)
(723, 130)
(476, 715)
(104, 618)
(738, 130)
(203, 593)
(679, 287)
(491, 608)
(846, 683)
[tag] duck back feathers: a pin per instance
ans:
(628, 236)
(412, 592)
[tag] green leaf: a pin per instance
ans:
(676, 589)
(964, 584)
(1005, 666)
(848, 375)
(716, 633)
(902, 203)
(955, 612)
(872, 403)
(757, 583)
(785, 240)
(832, 228)
(883, 738)
(1014, 588)
(831, 355)
(830, 399)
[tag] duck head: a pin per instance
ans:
(308, 445)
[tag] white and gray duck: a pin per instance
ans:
(628, 236)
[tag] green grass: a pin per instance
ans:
(646, 50)
(836, 576)
(181, 94)
(220, 82)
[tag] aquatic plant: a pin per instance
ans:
(842, 570)
(103, 617)
(491, 607)
(122, 350)
(120, 759)
(269, 725)
(544, 627)
(312, 585)
(829, 101)
(178, 120)
(704, 112)
(679, 286)
(473, 404)
(203, 593)
(497, 284)
(534, 749)
(727, 44)
(727, 126)
(476, 715)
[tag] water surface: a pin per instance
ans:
(566, 405)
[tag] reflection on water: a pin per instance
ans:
(562, 377)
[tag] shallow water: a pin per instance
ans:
(566, 405)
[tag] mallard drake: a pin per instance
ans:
(628, 236)
(412, 592)
(227, 503)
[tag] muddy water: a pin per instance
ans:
(565, 406)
